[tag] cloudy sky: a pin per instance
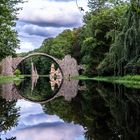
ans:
(34, 124)
(40, 19)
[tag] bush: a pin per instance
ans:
(17, 72)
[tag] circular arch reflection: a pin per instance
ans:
(40, 88)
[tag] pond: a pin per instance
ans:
(74, 110)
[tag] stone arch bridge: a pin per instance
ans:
(68, 65)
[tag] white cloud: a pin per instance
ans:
(35, 30)
(25, 47)
(41, 19)
(51, 14)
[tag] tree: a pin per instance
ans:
(8, 36)
(125, 50)
(58, 46)
(76, 47)
(99, 4)
(96, 4)
(98, 33)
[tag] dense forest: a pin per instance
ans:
(107, 43)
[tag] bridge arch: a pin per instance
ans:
(42, 54)
(21, 59)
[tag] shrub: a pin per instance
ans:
(17, 72)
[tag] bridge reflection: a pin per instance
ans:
(55, 77)
(68, 89)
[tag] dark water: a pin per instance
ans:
(87, 111)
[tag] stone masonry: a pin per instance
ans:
(6, 66)
(68, 65)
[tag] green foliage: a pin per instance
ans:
(99, 31)
(42, 64)
(58, 46)
(126, 48)
(99, 4)
(17, 72)
(108, 42)
(65, 43)
(8, 36)
(76, 46)
(96, 4)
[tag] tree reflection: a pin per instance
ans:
(8, 114)
(41, 92)
(124, 106)
(88, 109)
(13, 138)
(108, 112)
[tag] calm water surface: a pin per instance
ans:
(73, 110)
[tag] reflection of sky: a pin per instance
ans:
(36, 125)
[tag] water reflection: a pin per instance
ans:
(98, 111)
(124, 105)
(33, 120)
(41, 91)
(106, 111)
(8, 114)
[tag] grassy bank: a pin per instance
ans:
(132, 81)
(125, 79)
(4, 79)
(129, 80)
